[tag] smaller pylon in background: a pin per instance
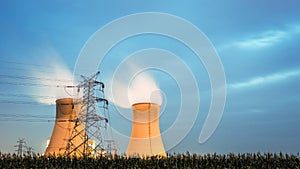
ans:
(23, 149)
(21, 145)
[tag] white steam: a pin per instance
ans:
(53, 80)
(144, 89)
(130, 85)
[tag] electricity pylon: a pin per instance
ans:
(90, 117)
(21, 145)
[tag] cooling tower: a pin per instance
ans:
(66, 113)
(145, 137)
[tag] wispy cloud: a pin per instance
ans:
(265, 79)
(264, 39)
(268, 37)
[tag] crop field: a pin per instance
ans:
(239, 161)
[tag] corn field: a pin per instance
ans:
(238, 161)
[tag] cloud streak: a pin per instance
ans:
(265, 79)
(268, 38)
(264, 39)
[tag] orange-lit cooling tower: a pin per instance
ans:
(145, 137)
(66, 112)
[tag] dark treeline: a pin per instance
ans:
(239, 161)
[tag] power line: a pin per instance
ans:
(26, 95)
(33, 120)
(30, 84)
(37, 67)
(23, 102)
(9, 115)
(27, 69)
(33, 78)
(26, 118)
(27, 64)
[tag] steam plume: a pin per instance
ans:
(129, 87)
(61, 76)
(144, 89)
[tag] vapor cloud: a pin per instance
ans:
(130, 85)
(267, 38)
(60, 76)
(265, 79)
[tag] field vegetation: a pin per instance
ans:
(238, 161)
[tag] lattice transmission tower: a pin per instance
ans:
(91, 116)
(21, 146)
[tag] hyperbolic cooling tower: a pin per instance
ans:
(145, 137)
(66, 112)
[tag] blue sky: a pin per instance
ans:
(257, 42)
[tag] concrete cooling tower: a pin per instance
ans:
(145, 137)
(66, 112)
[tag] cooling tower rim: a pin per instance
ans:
(68, 101)
(145, 103)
